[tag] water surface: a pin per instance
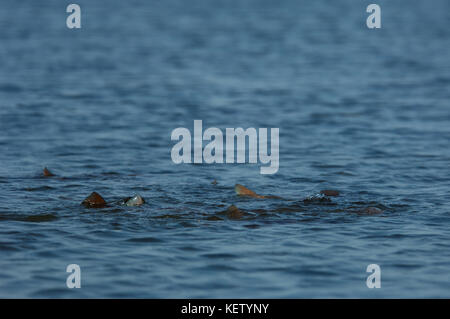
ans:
(362, 111)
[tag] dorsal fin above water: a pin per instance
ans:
(95, 200)
(47, 173)
(244, 191)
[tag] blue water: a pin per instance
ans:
(362, 111)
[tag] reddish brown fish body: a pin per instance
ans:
(371, 211)
(234, 213)
(244, 191)
(329, 192)
(47, 173)
(94, 201)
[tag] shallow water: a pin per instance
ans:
(362, 111)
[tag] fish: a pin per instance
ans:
(136, 200)
(329, 192)
(95, 200)
(47, 173)
(244, 191)
(234, 213)
(370, 211)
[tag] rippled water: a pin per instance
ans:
(362, 111)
